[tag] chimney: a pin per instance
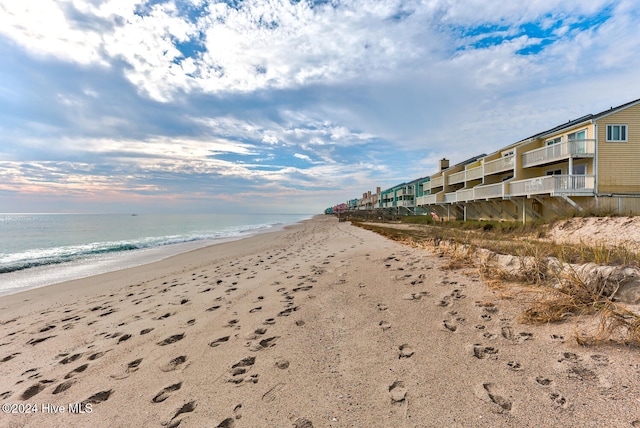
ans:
(444, 164)
(378, 190)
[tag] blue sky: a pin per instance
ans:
(282, 105)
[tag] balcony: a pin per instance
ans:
(457, 177)
(569, 185)
(558, 152)
(450, 197)
(405, 191)
(437, 182)
(465, 195)
(499, 165)
(474, 173)
(428, 199)
(489, 191)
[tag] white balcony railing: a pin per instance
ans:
(437, 182)
(457, 177)
(450, 197)
(474, 173)
(465, 195)
(553, 184)
(489, 191)
(406, 191)
(559, 151)
(427, 200)
(499, 165)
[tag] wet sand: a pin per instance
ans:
(319, 325)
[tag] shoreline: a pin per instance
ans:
(321, 324)
(87, 268)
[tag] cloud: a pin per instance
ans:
(321, 98)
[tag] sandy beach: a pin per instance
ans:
(322, 324)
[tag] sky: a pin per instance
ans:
(286, 106)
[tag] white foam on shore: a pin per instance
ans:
(41, 276)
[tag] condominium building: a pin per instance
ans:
(590, 162)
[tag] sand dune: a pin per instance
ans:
(320, 325)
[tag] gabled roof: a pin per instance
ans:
(470, 160)
(616, 109)
(417, 180)
(585, 118)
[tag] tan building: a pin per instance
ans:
(589, 163)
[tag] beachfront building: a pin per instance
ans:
(401, 199)
(369, 201)
(587, 163)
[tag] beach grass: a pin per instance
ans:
(545, 279)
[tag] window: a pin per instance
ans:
(554, 172)
(551, 142)
(580, 135)
(617, 133)
(580, 169)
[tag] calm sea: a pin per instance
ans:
(43, 249)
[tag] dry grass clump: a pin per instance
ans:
(554, 290)
(615, 324)
(571, 296)
(459, 256)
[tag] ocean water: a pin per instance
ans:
(43, 249)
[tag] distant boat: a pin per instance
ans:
(134, 215)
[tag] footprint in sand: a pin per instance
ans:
(492, 393)
(452, 325)
(166, 392)
(264, 343)
(384, 325)
(543, 381)
(245, 362)
(256, 333)
(75, 371)
(133, 365)
(287, 312)
(174, 364)
(232, 322)
(282, 364)
(131, 368)
(219, 341)
(405, 351)
(482, 352)
(98, 397)
(397, 392)
(515, 366)
(171, 339)
(123, 338)
(559, 401)
(186, 408)
(70, 359)
(302, 423)
(272, 394)
(63, 387)
(35, 389)
(240, 368)
(34, 342)
(507, 333)
(227, 423)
